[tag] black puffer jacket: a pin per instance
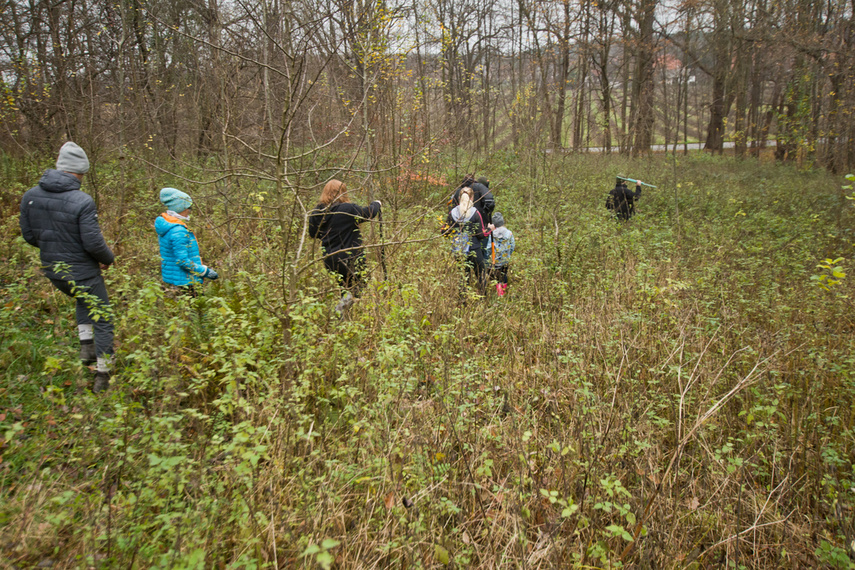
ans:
(61, 220)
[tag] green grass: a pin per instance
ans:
(680, 371)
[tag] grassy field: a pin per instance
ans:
(671, 392)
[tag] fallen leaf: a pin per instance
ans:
(389, 500)
(442, 555)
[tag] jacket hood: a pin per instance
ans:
(58, 181)
(455, 214)
(162, 225)
(501, 232)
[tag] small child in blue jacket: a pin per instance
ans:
(180, 263)
(500, 247)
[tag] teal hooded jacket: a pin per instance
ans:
(180, 263)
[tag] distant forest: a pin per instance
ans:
(384, 82)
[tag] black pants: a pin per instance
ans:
(92, 308)
(475, 264)
(625, 210)
(500, 274)
(350, 268)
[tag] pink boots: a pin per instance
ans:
(501, 289)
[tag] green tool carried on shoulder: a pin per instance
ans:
(634, 180)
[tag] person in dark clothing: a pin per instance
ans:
(466, 226)
(488, 206)
(335, 221)
(621, 201)
(484, 200)
(61, 220)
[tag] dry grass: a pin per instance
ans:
(660, 396)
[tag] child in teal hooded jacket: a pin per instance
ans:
(180, 263)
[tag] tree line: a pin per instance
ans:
(285, 85)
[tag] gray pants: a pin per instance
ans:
(93, 308)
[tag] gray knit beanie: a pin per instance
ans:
(72, 159)
(498, 219)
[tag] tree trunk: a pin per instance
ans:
(644, 83)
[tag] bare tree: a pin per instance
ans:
(209, 80)
(642, 119)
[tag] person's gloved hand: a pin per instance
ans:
(211, 274)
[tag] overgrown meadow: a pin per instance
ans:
(672, 392)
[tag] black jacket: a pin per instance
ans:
(61, 220)
(622, 201)
(483, 198)
(337, 226)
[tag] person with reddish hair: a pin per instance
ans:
(335, 221)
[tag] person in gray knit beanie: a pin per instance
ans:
(61, 220)
(72, 159)
(500, 247)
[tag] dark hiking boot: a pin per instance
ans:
(102, 382)
(87, 353)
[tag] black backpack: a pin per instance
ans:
(610, 199)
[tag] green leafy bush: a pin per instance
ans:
(680, 370)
